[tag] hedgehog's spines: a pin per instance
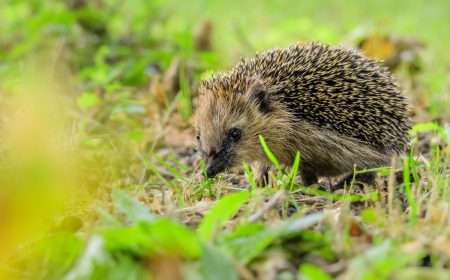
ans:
(331, 88)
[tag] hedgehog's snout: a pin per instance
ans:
(222, 156)
(211, 172)
(217, 162)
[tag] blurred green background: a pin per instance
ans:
(132, 35)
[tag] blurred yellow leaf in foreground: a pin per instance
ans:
(39, 162)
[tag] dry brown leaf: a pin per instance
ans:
(158, 91)
(378, 47)
(172, 79)
(355, 229)
(203, 36)
(165, 267)
(393, 51)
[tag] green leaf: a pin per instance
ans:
(50, 257)
(422, 273)
(222, 211)
(408, 191)
(184, 98)
(159, 237)
(294, 171)
(121, 267)
(294, 226)
(93, 255)
(217, 264)
(249, 241)
(431, 127)
(311, 272)
(369, 216)
(136, 134)
(96, 263)
(133, 210)
(268, 152)
(314, 191)
(88, 100)
(250, 177)
(379, 262)
(106, 219)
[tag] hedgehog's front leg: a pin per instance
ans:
(365, 178)
(308, 177)
(261, 172)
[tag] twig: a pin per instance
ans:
(274, 201)
(391, 185)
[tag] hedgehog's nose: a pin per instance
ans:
(210, 172)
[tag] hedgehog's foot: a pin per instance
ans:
(261, 173)
(308, 177)
(366, 178)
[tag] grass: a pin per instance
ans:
(98, 179)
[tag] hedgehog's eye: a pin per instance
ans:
(197, 137)
(234, 134)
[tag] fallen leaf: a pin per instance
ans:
(202, 36)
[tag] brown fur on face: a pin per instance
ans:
(220, 111)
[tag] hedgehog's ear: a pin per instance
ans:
(258, 93)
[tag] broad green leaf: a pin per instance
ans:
(51, 257)
(249, 241)
(369, 216)
(158, 237)
(422, 273)
(379, 262)
(121, 267)
(96, 263)
(137, 134)
(431, 127)
(222, 211)
(107, 219)
(132, 209)
(311, 272)
(217, 264)
(88, 100)
(93, 255)
(295, 225)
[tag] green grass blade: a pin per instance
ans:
(222, 211)
(431, 127)
(409, 194)
(217, 264)
(312, 272)
(294, 171)
(269, 153)
(250, 177)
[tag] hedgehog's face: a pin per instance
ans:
(228, 125)
(223, 154)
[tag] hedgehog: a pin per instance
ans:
(340, 110)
